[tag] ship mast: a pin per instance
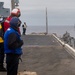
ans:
(14, 3)
(46, 22)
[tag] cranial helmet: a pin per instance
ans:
(16, 12)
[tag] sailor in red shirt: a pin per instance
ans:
(14, 13)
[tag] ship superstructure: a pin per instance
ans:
(4, 11)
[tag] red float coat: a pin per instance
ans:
(7, 24)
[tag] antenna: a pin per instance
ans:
(46, 22)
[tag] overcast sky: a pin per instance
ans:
(60, 12)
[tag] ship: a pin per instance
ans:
(6, 11)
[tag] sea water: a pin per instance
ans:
(59, 30)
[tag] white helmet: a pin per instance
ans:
(16, 12)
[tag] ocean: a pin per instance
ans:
(59, 30)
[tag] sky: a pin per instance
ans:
(33, 12)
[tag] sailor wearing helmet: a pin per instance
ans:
(14, 13)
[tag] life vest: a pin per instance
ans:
(1, 34)
(7, 24)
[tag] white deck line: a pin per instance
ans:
(68, 47)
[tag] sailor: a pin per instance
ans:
(2, 69)
(24, 26)
(12, 48)
(14, 13)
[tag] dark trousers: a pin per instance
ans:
(24, 31)
(12, 61)
(1, 54)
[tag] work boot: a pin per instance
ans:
(2, 69)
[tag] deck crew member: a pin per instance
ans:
(12, 48)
